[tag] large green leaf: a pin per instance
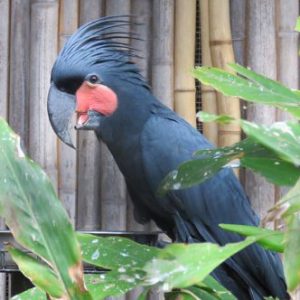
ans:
(39, 274)
(34, 214)
(250, 154)
(128, 261)
(124, 257)
(115, 252)
(253, 87)
(292, 252)
(113, 283)
(31, 294)
(190, 263)
(282, 137)
(270, 239)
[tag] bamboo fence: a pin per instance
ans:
(221, 54)
(184, 54)
(88, 166)
(68, 22)
(208, 94)
(4, 79)
(88, 181)
(261, 56)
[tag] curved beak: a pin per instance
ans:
(61, 107)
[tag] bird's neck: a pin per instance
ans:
(125, 125)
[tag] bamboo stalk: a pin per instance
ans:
(19, 68)
(113, 187)
(288, 58)
(238, 29)
(117, 7)
(261, 57)
(222, 54)
(162, 51)
(68, 22)
(19, 80)
(90, 10)
(4, 86)
(288, 65)
(4, 51)
(208, 94)
(142, 9)
(44, 29)
(185, 30)
(88, 159)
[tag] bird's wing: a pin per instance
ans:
(167, 141)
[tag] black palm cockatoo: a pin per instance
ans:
(94, 76)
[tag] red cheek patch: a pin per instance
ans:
(98, 97)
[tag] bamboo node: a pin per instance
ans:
(220, 42)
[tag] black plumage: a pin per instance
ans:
(148, 140)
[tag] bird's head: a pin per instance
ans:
(83, 78)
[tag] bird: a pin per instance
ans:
(94, 77)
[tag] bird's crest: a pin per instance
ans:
(100, 41)
(103, 42)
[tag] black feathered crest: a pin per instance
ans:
(99, 41)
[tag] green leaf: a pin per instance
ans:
(113, 283)
(209, 289)
(270, 239)
(217, 288)
(123, 256)
(186, 294)
(114, 252)
(292, 253)
(297, 27)
(34, 214)
(256, 88)
(31, 294)
(287, 206)
(282, 137)
(208, 117)
(144, 294)
(190, 263)
(250, 154)
(39, 274)
(126, 259)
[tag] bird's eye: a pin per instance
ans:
(93, 79)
